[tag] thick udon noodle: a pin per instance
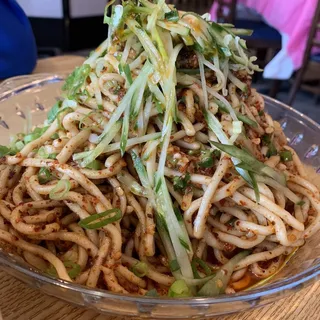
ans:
(220, 212)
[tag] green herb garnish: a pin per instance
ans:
(206, 159)
(180, 183)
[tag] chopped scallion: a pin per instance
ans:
(272, 151)
(95, 165)
(42, 153)
(44, 175)
(180, 183)
(36, 133)
(55, 136)
(206, 159)
(73, 269)
(52, 156)
(179, 289)
(286, 156)
(140, 269)
(5, 151)
(60, 190)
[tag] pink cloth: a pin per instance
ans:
(293, 19)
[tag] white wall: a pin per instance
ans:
(86, 8)
(54, 9)
(42, 8)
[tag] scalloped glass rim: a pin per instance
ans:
(15, 85)
(269, 292)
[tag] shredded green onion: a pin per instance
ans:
(217, 285)
(172, 15)
(75, 80)
(53, 112)
(203, 265)
(96, 221)
(250, 163)
(125, 69)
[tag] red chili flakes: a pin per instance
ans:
(228, 247)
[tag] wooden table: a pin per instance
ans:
(18, 302)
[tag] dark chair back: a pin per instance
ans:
(198, 6)
(226, 12)
(311, 43)
(226, 9)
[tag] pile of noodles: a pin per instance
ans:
(159, 173)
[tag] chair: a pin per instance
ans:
(200, 6)
(310, 69)
(264, 38)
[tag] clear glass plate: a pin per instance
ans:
(37, 94)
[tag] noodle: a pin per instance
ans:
(159, 166)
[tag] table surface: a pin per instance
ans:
(18, 302)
